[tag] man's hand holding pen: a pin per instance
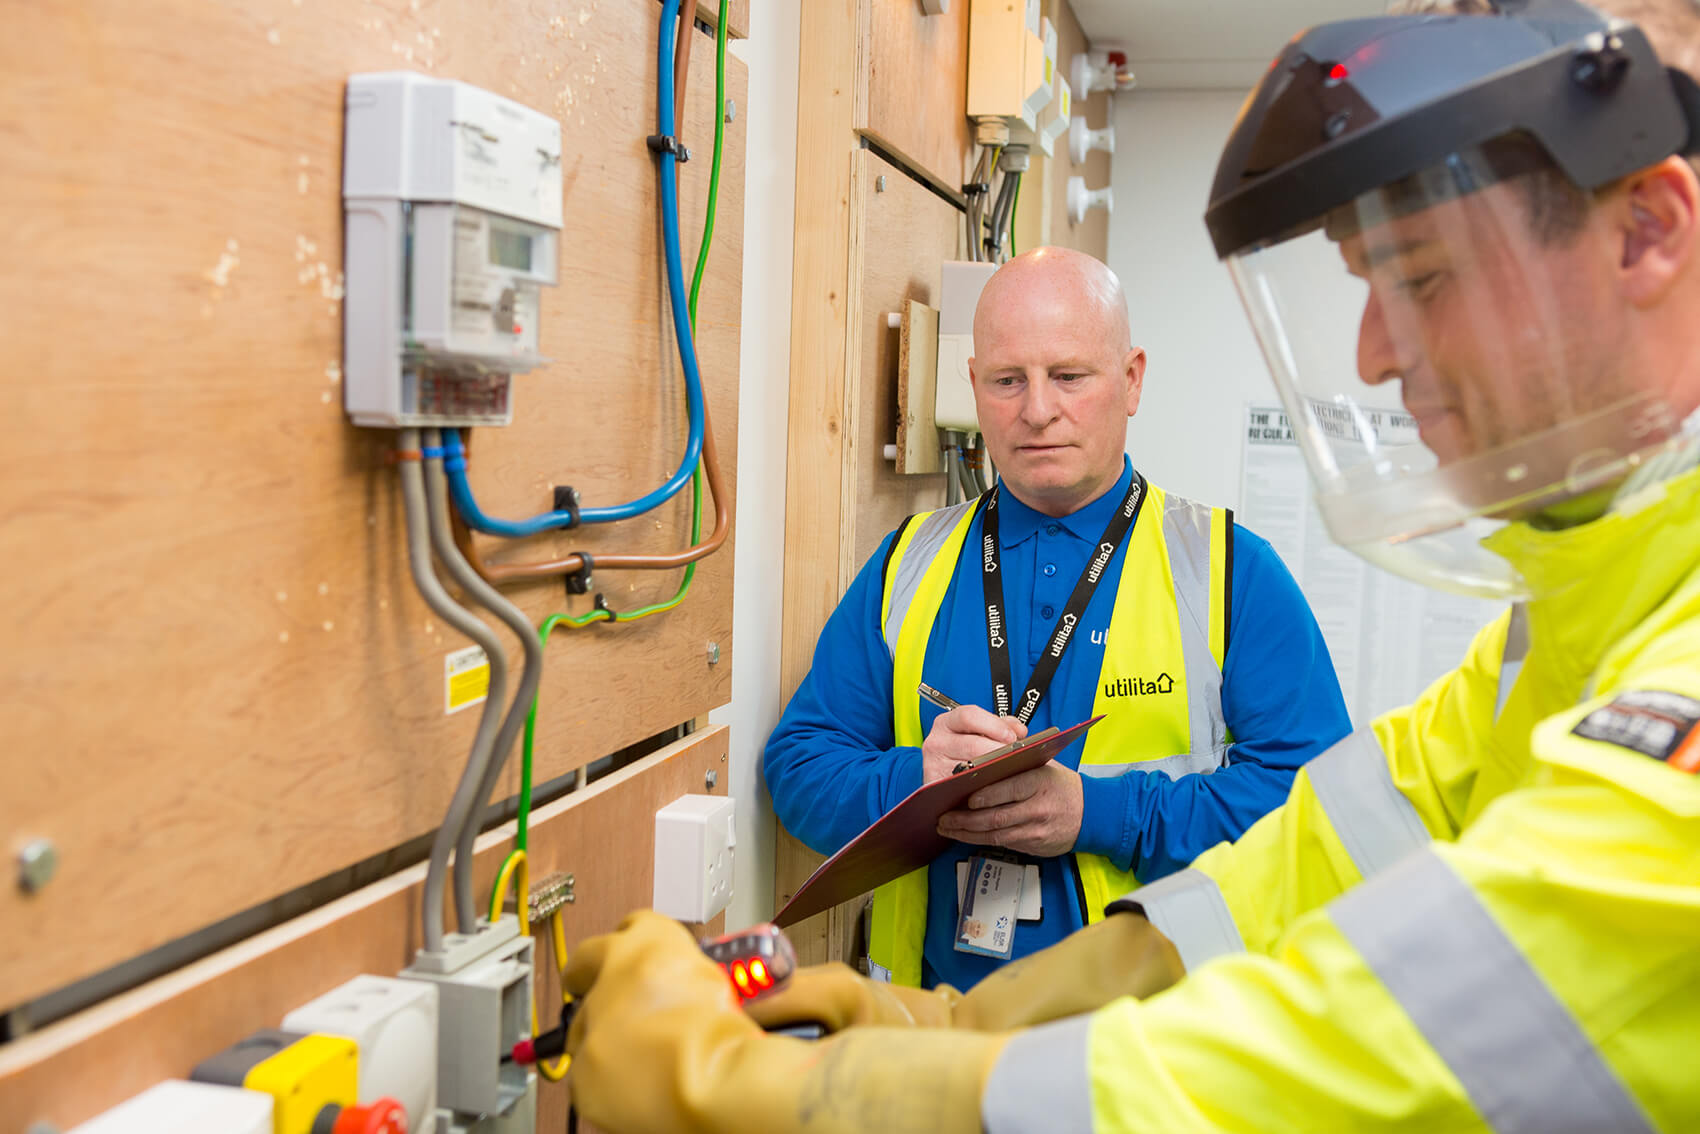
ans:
(1036, 812)
(962, 734)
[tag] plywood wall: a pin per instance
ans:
(219, 683)
(913, 98)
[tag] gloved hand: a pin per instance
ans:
(660, 1043)
(1123, 955)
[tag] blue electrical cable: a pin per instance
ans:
(454, 464)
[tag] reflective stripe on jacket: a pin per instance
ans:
(1482, 913)
(1169, 619)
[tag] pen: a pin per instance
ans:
(937, 698)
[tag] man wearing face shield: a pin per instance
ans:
(1481, 912)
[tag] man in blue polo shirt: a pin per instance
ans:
(1075, 587)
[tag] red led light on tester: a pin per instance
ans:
(1338, 73)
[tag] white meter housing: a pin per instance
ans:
(452, 224)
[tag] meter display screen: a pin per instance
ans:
(509, 249)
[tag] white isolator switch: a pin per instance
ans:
(394, 1023)
(694, 840)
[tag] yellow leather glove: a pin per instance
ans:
(1123, 955)
(660, 1043)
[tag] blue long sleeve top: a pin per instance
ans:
(833, 768)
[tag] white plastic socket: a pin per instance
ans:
(694, 839)
(395, 1024)
(1081, 199)
(1082, 141)
(177, 1107)
(1091, 72)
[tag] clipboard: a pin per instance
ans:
(906, 837)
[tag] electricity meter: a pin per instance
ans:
(452, 223)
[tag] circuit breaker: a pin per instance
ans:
(452, 221)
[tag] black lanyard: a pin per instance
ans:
(997, 637)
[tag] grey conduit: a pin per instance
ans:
(531, 676)
(431, 590)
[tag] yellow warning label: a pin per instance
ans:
(466, 678)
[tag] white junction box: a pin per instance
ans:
(484, 1006)
(394, 1022)
(960, 284)
(177, 1107)
(694, 839)
(452, 221)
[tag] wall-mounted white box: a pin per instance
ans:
(177, 1107)
(694, 839)
(395, 1024)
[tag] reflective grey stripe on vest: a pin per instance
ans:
(1172, 766)
(1041, 1081)
(930, 535)
(1511, 660)
(1374, 820)
(1186, 531)
(1187, 907)
(1521, 1056)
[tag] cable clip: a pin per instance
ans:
(668, 144)
(601, 603)
(578, 583)
(567, 500)
(976, 188)
(397, 456)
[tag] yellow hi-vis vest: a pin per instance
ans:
(1170, 618)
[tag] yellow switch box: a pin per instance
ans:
(305, 1077)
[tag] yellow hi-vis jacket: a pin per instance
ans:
(1169, 616)
(1480, 913)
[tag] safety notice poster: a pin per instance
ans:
(1389, 637)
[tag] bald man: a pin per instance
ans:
(1074, 587)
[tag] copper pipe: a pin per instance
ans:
(574, 563)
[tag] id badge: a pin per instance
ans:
(1031, 892)
(986, 925)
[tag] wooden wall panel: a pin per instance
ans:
(603, 836)
(817, 447)
(916, 88)
(905, 232)
(220, 684)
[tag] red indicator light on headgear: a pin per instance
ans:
(741, 977)
(759, 974)
(1338, 73)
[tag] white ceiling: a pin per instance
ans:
(1174, 44)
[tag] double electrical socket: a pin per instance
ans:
(693, 857)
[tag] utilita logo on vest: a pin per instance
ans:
(1138, 686)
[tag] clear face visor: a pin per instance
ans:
(1451, 361)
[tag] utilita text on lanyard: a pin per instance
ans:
(997, 637)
